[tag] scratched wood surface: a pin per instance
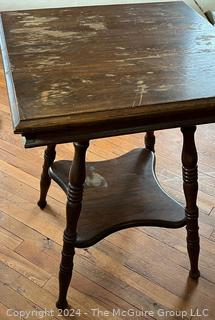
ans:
(90, 64)
(132, 269)
(135, 188)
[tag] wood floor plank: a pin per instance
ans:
(37, 240)
(133, 287)
(4, 311)
(9, 239)
(35, 254)
(168, 267)
(8, 274)
(46, 298)
(17, 303)
(23, 266)
(212, 237)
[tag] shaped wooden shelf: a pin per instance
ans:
(120, 193)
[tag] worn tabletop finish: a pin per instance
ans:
(111, 66)
(84, 73)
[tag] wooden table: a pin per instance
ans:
(77, 74)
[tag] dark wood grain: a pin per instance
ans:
(120, 193)
(150, 140)
(190, 178)
(76, 178)
(45, 180)
(76, 74)
(90, 66)
(211, 16)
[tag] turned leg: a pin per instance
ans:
(73, 208)
(150, 141)
(45, 180)
(190, 184)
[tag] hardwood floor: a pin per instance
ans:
(135, 269)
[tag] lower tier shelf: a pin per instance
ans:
(120, 193)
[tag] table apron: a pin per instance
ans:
(73, 134)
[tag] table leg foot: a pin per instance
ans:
(42, 203)
(65, 273)
(45, 180)
(194, 275)
(62, 305)
(66, 268)
(190, 185)
(150, 141)
(77, 176)
(193, 251)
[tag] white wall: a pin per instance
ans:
(30, 4)
(206, 4)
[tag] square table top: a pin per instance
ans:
(105, 70)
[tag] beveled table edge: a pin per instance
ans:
(140, 118)
(9, 79)
(72, 134)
